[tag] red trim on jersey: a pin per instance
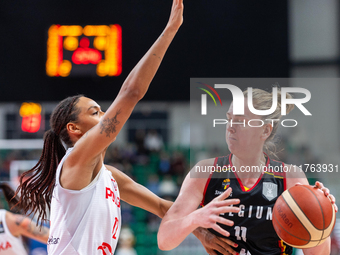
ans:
(283, 174)
(239, 180)
(207, 183)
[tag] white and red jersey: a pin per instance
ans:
(86, 221)
(9, 244)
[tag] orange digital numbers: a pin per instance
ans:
(69, 47)
(31, 117)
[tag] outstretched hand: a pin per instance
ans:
(209, 215)
(327, 193)
(176, 16)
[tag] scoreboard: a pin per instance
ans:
(51, 50)
(83, 51)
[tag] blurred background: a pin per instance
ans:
(53, 50)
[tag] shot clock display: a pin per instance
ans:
(84, 51)
(31, 117)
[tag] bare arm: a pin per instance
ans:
(138, 195)
(21, 225)
(183, 218)
(87, 151)
(297, 177)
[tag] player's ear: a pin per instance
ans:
(72, 128)
(267, 130)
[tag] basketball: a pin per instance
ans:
(303, 216)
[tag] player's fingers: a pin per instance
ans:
(332, 199)
(178, 3)
(319, 185)
(212, 252)
(215, 246)
(221, 246)
(224, 195)
(220, 230)
(224, 221)
(175, 3)
(227, 242)
(227, 202)
(227, 209)
(226, 250)
(325, 191)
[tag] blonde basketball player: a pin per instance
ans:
(251, 228)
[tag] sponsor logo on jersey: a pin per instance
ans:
(226, 183)
(269, 190)
(53, 240)
(105, 248)
(218, 192)
(2, 229)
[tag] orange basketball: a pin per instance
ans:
(303, 216)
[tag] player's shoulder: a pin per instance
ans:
(206, 162)
(293, 171)
(200, 171)
(294, 175)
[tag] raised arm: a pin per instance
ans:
(183, 218)
(21, 225)
(87, 151)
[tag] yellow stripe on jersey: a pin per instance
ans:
(275, 176)
(245, 188)
(283, 247)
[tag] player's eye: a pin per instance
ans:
(95, 113)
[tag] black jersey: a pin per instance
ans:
(253, 230)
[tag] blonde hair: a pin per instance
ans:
(263, 100)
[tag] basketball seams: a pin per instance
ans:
(299, 214)
(278, 222)
(304, 220)
(329, 229)
(323, 216)
(284, 199)
(310, 244)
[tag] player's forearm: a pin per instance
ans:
(139, 79)
(164, 207)
(322, 249)
(139, 196)
(29, 229)
(199, 233)
(172, 232)
(155, 205)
